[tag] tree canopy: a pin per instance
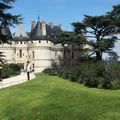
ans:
(71, 38)
(101, 30)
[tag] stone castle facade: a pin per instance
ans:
(38, 46)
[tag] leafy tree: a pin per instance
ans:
(7, 18)
(101, 29)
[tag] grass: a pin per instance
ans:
(53, 98)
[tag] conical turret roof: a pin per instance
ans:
(36, 32)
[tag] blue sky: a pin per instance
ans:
(60, 11)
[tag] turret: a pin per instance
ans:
(36, 33)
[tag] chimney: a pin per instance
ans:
(60, 25)
(43, 27)
(33, 25)
(51, 25)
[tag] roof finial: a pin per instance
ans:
(38, 18)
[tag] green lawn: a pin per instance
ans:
(52, 98)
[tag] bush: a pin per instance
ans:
(88, 75)
(74, 74)
(7, 71)
(10, 70)
(97, 74)
(16, 67)
(111, 77)
(50, 71)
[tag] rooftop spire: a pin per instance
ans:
(38, 18)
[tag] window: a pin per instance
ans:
(20, 53)
(33, 54)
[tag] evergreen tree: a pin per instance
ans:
(66, 37)
(6, 18)
(100, 30)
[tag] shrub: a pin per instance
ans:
(16, 67)
(8, 70)
(65, 73)
(111, 77)
(51, 71)
(97, 74)
(74, 74)
(88, 75)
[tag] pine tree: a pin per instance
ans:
(6, 18)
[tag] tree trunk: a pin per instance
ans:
(98, 55)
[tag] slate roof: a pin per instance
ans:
(35, 34)
(21, 38)
(51, 33)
